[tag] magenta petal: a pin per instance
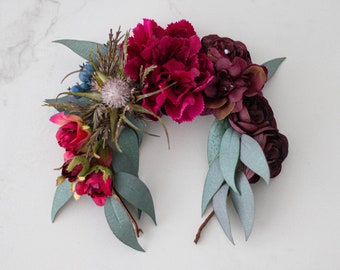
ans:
(190, 108)
(59, 119)
(173, 65)
(100, 201)
(194, 110)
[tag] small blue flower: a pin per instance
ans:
(89, 68)
(84, 76)
(85, 86)
(75, 88)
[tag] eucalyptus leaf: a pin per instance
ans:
(229, 156)
(220, 207)
(138, 123)
(216, 132)
(133, 190)
(62, 195)
(127, 160)
(244, 203)
(213, 182)
(85, 49)
(66, 101)
(273, 65)
(120, 223)
(253, 157)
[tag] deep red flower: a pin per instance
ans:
(95, 186)
(175, 52)
(235, 76)
(71, 175)
(256, 114)
(275, 148)
(71, 135)
(217, 47)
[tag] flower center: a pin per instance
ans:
(116, 93)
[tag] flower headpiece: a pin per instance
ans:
(172, 72)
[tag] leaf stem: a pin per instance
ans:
(133, 221)
(200, 229)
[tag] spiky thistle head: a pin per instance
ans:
(116, 93)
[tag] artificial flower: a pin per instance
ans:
(275, 148)
(255, 114)
(72, 134)
(179, 68)
(235, 77)
(96, 186)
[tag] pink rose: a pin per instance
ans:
(175, 51)
(95, 186)
(71, 134)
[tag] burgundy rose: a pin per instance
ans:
(256, 114)
(217, 47)
(275, 148)
(71, 135)
(175, 51)
(235, 76)
(71, 175)
(95, 186)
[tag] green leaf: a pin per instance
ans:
(213, 182)
(127, 160)
(221, 211)
(140, 125)
(64, 103)
(133, 190)
(62, 195)
(273, 65)
(216, 132)
(120, 223)
(253, 157)
(244, 203)
(229, 156)
(85, 49)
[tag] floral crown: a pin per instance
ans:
(146, 75)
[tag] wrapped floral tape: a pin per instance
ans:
(148, 74)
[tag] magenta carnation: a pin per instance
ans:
(180, 69)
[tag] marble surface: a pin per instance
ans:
(297, 215)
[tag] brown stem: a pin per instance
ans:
(133, 221)
(200, 229)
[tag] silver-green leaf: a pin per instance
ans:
(62, 195)
(138, 123)
(215, 137)
(85, 49)
(229, 156)
(120, 223)
(127, 160)
(67, 101)
(220, 207)
(273, 65)
(213, 182)
(133, 190)
(244, 203)
(253, 157)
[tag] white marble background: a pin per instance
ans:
(297, 215)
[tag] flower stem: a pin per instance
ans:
(200, 229)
